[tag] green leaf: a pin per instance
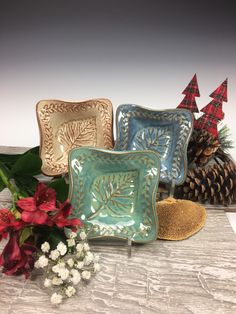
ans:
(25, 234)
(113, 195)
(26, 184)
(9, 160)
(34, 150)
(6, 173)
(2, 185)
(4, 169)
(55, 237)
(28, 164)
(61, 188)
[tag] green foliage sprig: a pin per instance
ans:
(19, 173)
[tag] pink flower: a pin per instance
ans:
(61, 217)
(34, 209)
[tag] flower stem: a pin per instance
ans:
(12, 189)
(7, 182)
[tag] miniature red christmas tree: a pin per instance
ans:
(190, 92)
(213, 111)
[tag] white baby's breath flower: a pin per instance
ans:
(73, 235)
(42, 261)
(88, 258)
(80, 255)
(54, 255)
(70, 242)
(74, 272)
(86, 247)
(56, 268)
(82, 235)
(96, 267)
(75, 279)
(61, 247)
(86, 275)
(70, 290)
(96, 258)
(90, 255)
(61, 264)
(70, 262)
(45, 247)
(56, 298)
(80, 265)
(36, 264)
(63, 273)
(47, 282)
(79, 247)
(57, 281)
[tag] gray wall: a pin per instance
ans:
(142, 52)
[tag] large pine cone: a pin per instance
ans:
(215, 184)
(202, 147)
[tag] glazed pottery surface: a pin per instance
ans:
(166, 132)
(65, 125)
(114, 193)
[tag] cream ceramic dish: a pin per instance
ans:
(65, 125)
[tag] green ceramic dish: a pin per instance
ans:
(114, 193)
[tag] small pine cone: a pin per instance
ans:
(215, 184)
(202, 147)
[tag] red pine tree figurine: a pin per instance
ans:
(190, 92)
(213, 111)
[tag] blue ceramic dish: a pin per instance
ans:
(114, 193)
(166, 132)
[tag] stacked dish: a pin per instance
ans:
(114, 191)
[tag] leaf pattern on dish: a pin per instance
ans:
(113, 194)
(158, 139)
(76, 133)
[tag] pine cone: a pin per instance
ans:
(215, 184)
(202, 147)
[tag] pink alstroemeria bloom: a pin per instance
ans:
(34, 209)
(61, 217)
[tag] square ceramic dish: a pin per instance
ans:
(167, 132)
(65, 125)
(114, 193)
